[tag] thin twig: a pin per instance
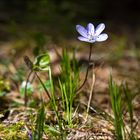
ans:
(90, 51)
(25, 93)
(29, 64)
(91, 93)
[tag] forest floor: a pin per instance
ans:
(115, 57)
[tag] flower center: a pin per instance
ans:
(91, 37)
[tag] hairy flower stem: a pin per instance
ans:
(25, 94)
(89, 58)
(43, 85)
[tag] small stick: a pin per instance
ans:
(25, 93)
(29, 64)
(91, 93)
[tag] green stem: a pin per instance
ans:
(43, 85)
(89, 59)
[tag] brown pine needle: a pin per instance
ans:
(91, 93)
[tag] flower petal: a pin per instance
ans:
(81, 38)
(99, 29)
(90, 29)
(81, 30)
(102, 37)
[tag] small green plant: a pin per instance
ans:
(68, 83)
(39, 128)
(128, 98)
(116, 103)
(121, 101)
(41, 63)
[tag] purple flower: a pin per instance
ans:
(28, 133)
(91, 34)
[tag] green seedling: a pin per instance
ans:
(39, 128)
(41, 63)
(116, 102)
(68, 84)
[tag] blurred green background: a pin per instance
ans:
(59, 17)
